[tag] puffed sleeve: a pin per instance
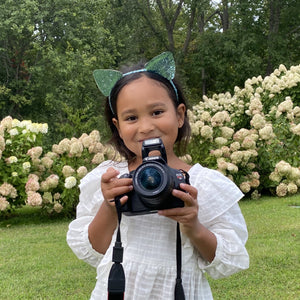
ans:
(219, 211)
(90, 200)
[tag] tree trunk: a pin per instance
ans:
(273, 31)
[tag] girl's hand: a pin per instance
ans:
(202, 238)
(113, 186)
(187, 216)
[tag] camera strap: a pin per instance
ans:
(179, 292)
(116, 278)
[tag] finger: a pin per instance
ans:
(182, 215)
(109, 175)
(185, 197)
(117, 191)
(123, 200)
(189, 189)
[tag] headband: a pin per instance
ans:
(163, 65)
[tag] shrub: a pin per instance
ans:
(49, 180)
(246, 136)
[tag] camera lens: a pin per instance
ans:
(150, 178)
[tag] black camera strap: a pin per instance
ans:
(179, 292)
(116, 279)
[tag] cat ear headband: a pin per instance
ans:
(163, 64)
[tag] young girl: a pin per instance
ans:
(142, 104)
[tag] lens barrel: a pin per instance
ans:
(152, 184)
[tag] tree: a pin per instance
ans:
(49, 50)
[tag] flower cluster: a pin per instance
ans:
(249, 132)
(286, 177)
(16, 138)
(7, 192)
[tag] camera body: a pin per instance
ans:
(153, 182)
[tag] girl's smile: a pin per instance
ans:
(145, 110)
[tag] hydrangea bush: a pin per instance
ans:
(252, 136)
(49, 180)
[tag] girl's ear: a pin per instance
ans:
(116, 123)
(180, 114)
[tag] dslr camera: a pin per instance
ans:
(153, 182)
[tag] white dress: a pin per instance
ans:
(149, 241)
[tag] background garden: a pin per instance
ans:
(239, 64)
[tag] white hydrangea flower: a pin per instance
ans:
(70, 182)
(11, 159)
(34, 199)
(248, 143)
(82, 171)
(286, 106)
(283, 168)
(67, 171)
(274, 176)
(296, 129)
(245, 187)
(227, 132)
(292, 188)
(281, 190)
(258, 121)
(206, 132)
(266, 133)
(235, 146)
(232, 168)
(14, 132)
(205, 116)
(4, 204)
(221, 141)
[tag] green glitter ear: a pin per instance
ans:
(106, 79)
(163, 65)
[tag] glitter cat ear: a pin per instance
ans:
(106, 79)
(163, 65)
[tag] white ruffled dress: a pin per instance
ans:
(149, 241)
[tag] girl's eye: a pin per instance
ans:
(131, 118)
(157, 112)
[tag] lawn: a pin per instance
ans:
(36, 263)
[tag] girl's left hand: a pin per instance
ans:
(187, 216)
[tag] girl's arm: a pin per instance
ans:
(104, 224)
(89, 233)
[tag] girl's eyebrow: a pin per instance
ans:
(151, 106)
(127, 112)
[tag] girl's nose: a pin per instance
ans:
(145, 126)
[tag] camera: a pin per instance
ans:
(153, 182)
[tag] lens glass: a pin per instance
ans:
(150, 178)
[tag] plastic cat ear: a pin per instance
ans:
(106, 79)
(163, 65)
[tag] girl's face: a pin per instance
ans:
(145, 110)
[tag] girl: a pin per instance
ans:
(142, 104)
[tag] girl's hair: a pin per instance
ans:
(183, 133)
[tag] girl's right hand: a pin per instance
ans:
(113, 186)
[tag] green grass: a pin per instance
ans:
(36, 262)
(274, 250)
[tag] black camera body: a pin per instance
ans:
(153, 182)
